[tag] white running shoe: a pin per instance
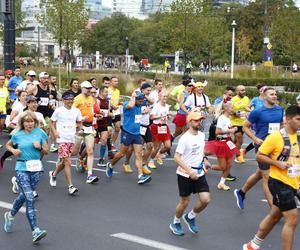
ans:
(15, 186)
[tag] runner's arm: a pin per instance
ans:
(247, 129)
(181, 163)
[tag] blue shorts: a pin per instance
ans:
(129, 139)
(3, 116)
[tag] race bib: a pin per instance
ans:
(117, 111)
(162, 129)
(273, 127)
(294, 171)
(137, 118)
(66, 128)
(44, 101)
(3, 95)
(87, 130)
(52, 102)
(104, 112)
(34, 166)
(231, 145)
(143, 130)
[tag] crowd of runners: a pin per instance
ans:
(89, 113)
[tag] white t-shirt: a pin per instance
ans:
(223, 123)
(191, 148)
(154, 96)
(66, 123)
(159, 110)
(39, 116)
(145, 118)
(23, 85)
(18, 107)
(190, 101)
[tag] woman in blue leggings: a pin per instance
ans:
(31, 142)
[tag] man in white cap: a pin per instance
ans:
(29, 81)
(85, 103)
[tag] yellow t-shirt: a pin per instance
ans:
(4, 94)
(177, 91)
(6, 82)
(86, 106)
(239, 104)
(114, 96)
(273, 145)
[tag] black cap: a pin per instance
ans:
(146, 85)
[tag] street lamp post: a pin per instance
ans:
(127, 53)
(232, 48)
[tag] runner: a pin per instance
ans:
(268, 119)
(154, 95)
(228, 94)
(240, 107)
(85, 102)
(52, 106)
(74, 87)
(281, 151)
(8, 74)
(31, 141)
(191, 171)
(30, 80)
(14, 83)
(63, 125)
(4, 98)
(130, 136)
(18, 106)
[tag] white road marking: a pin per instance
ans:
(146, 242)
(9, 206)
(209, 157)
(264, 200)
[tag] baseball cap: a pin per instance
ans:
(42, 74)
(139, 95)
(32, 98)
(32, 73)
(194, 116)
(298, 98)
(199, 84)
(86, 84)
(8, 72)
(67, 96)
(145, 85)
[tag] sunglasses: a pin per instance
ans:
(190, 85)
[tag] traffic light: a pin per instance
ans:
(6, 6)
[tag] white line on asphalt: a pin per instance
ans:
(9, 206)
(146, 242)
(264, 200)
(210, 157)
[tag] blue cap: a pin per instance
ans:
(139, 95)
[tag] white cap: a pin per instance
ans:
(31, 73)
(86, 84)
(43, 74)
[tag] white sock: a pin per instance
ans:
(222, 180)
(192, 214)
(90, 172)
(176, 220)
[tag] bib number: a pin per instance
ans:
(162, 130)
(294, 171)
(44, 101)
(66, 128)
(52, 102)
(231, 145)
(273, 127)
(34, 165)
(87, 130)
(143, 130)
(104, 112)
(137, 118)
(117, 111)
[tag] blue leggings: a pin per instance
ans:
(27, 182)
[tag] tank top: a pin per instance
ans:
(186, 94)
(52, 101)
(104, 105)
(43, 95)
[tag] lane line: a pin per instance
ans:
(146, 242)
(9, 206)
(264, 200)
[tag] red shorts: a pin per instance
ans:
(221, 149)
(157, 135)
(65, 150)
(179, 120)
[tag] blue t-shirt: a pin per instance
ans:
(218, 101)
(13, 83)
(24, 142)
(132, 117)
(263, 116)
(256, 102)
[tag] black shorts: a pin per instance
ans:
(109, 122)
(101, 129)
(148, 136)
(283, 195)
(187, 186)
(239, 129)
(117, 118)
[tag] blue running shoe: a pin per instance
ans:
(176, 229)
(144, 179)
(191, 224)
(8, 222)
(38, 234)
(109, 170)
(239, 198)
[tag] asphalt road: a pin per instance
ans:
(120, 214)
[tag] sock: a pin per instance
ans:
(108, 144)
(249, 147)
(222, 180)
(102, 151)
(90, 172)
(176, 220)
(256, 242)
(192, 214)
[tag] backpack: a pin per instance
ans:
(212, 130)
(285, 153)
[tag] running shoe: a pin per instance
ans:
(35, 194)
(38, 234)
(249, 247)
(160, 161)
(72, 190)
(53, 148)
(92, 179)
(146, 170)
(113, 148)
(240, 159)
(176, 229)
(101, 163)
(109, 170)
(144, 179)
(239, 198)
(52, 179)
(223, 187)
(151, 164)
(230, 178)
(190, 223)
(15, 186)
(127, 168)
(8, 222)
